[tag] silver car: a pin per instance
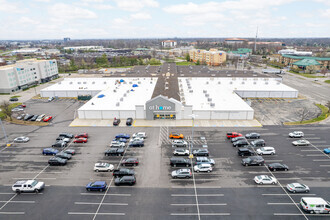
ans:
(22, 139)
(301, 143)
(297, 187)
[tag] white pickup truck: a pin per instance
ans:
(28, 186)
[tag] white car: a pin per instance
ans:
(22, 139)
(301, 143)
(117, 144)
(296, 134)
(40, 117)
(139, 134)
(266, 151)
(136, 138)
(103, 167)
(265, 179)
(28, 186)
(181, 152)
(179, 143)
(204, 167)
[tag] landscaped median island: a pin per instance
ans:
(307, 75)
(327, 81)
(325, 114)
(11, 106)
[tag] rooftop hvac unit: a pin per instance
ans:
(189, 87)
(70, 83)
(204, 91)
(278, 83)
(121, 99)
(127, 91)
(243, 82)
(228, 74)
(207, 95)
(212, 104)
(266, 83)
(150, 82)
(209, 99)
(254, 83)
(207, 82)
(59, 83)
(191, 91)
(117, 104)
(104, 82)
(93, 82)
(84, 82)
(125, 94)
(219, 82)
(114, 90)
(230, 82)
(130, 82)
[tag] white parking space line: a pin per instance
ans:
(314, 155)
(19, 178)
(282, 203)
(93, 213)
(192, 204)
(318, 142)
(261, 172)
(309, 134)
(289, 178)
(274, 160)
(19, 201)
(289, 214)
(199, 214)
(187, 195)
(324, 165)
(198, 187)
(314, 138)
(195, 179)
(97, 194)
(309, 150)
(97, 203)
(12, 213)
(269, 186)
(293, 194)
(322, 160)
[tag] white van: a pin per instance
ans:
(315, 205)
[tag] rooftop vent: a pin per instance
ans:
(191, 91)
(209, 99)
(117, 104)
(84, 82)
(93, 82)
(219, 82)
(212, 104)
(266, 83)
(125, 94)
(104, 82)
(207, 82)
(114, 90)
(254, 83)
(70, 83)
(243, 82)
(230, 82)
(204, 91)
(121, 99)
(207, 95)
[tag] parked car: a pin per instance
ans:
(64, 139)
(17, 109)
(67, 135)
(179, 143)
(204, 167)
(258, 143)
(47, 118)
(201, 160)
(50, 151)
(127, 136)
(13, 99)
(253, 160)
(50, 99)
(243, 151)
(59, 144)
(103, 167)
(129, 121)
(297, 187)
(34, 117)
(252, 135)
(57, 161)
(123, 172)
(40, 117)
(28, 186)
(326, 150)
(136, 139)
(96, 186)
(81, 135)
(63, 155)
(266, 151)
(296, 134)
(130, 162)
(70, 151)
(21, 106)
(201, 152)
(140, 135)
(80, 140)
(116, 121)
(300, 143)
(233, 135)
(277, 167)
(315, 205)
(175, 135)
(265, 179)
(117, 144)
(22, 139)
(114, 152)
(27, 117)
(136, 144)
(240, 143)
(181, 152)
(125, 180)
(181, 173)
(119, 140)
(20, 117)
(179, 161)
(237, 139)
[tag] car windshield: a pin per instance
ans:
(262, 149)
(34, 183)
(248, 159)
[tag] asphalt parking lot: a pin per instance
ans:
(228, 192)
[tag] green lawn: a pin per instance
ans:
(185, 63)
(2, 115)
(15, 96)
(327, 81)
(323, 116)
(307, 75)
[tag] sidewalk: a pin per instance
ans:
(170, 123)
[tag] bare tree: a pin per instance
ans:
(324, 71)
(328, 106)
(303, 114)
(6, 109)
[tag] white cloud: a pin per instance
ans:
(141, 16)
(314, 25)
(102, 6)
(326, 2)
(135, 5)
(120, 21)
(326, 13)
(63, 11)
(94, 1)
(43, 1)
(10, 7)
(28, 21)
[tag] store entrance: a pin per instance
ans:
(164, 116)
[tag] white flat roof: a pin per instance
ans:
(131, 96)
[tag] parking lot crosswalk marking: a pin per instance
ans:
(289, 178)
(289, 214)
(274, 160)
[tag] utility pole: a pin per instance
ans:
(255, 41)
(4, 133)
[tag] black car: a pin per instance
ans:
(13, 99)
(136, 144)
(123, 172)
(63, 155)
(237, 139)
(252, 135)
(116, 121)
(132, 161)
(179, 161)
(201, 152)
(34, 117)
(129, 121)
(57, 161)
(243, 151)
(125, 180)
(114, 152)
(254, 160)
(240, 143)
(258, 143)
(277, 166)
(67, 135)
(59, 144)
(27, 117)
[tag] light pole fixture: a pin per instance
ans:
(193, 116)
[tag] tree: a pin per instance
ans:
(188, 57)
(6, 109)
(328, 106)
(303, 114)
(198, 63)
(324, 71)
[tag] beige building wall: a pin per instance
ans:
(213, 57)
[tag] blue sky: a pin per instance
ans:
(85, 19)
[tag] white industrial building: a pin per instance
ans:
(83, 48)
(25, 73)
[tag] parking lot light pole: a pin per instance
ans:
(4, 133)
(193, 116)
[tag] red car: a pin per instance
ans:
(80, 140)
(47, 118)
(233, 135)
(22, 106)
(81, 135)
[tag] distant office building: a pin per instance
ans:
(84, 48)
(295, 52)
(169, 43)
(66, 39)
(26, 51)
(292, 60)
(25, 73)
(235, 41)
(213, 57)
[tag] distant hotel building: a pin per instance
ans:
(25, 73)
(169, 43)
(213, 57)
